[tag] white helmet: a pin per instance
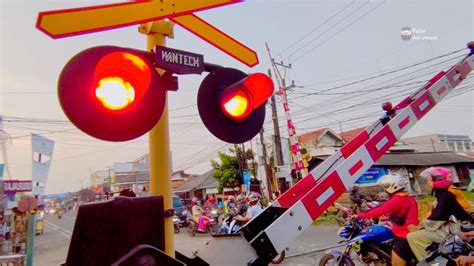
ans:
(393, 183)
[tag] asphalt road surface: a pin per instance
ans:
(51, 247)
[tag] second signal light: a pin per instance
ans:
(232, 104)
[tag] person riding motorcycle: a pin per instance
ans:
(359, 200)
(242, 204)
(230, 205)
(253, 210)
(198, 216)
(403, 212)
(435, 227)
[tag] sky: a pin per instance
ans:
(347, 57)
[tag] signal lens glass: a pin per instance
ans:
(115, 93)
(236, 106)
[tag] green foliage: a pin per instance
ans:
(228, 171)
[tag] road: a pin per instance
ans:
(51, 247)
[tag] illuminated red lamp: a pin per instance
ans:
(111, 93)
(231, 103)
(241, 98)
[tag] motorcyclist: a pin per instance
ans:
(359, 200)
(253, 210)
(198, 215)
(211, 201)
(230, 205)
(403, 212)
(242, 204)
(435, 227)
(60, 213)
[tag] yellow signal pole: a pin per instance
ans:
(160, 155)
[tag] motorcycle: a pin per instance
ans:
(176, 224)
(229, 226)
(451, 247)
(343, 212)
(371, 243)
(60, 214)
(211, 227)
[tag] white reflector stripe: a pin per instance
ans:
(325, 196)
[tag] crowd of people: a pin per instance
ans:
(243, 208)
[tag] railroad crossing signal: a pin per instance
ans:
(115, 94)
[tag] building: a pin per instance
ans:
(134, 175)
(321, 142)
(100, 177)
(440, 143)
(201, 187)
(412, 164)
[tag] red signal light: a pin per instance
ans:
(117, 88)
(241, 98)
(111, 93)
(232, 104)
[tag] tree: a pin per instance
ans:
(229, 171)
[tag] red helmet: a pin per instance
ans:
(441, 177)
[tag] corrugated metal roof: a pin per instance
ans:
(198, 182)
(209, 181)
(419, 159)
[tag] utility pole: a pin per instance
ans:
(294, 144)
(276, 129)
(268, 170)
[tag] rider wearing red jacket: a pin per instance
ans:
(402, 210)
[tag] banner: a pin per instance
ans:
(15, 186)
(372, 175)
(42, 152)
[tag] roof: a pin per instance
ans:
(425, 158)
(209, 181)
(350, 134)
(198, 182)
(312, 135)
(419, 159)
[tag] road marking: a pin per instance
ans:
(62, 231)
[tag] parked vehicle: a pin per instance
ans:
(372, 244)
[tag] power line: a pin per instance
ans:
(307, 34)
(327, 30)
(338, 32)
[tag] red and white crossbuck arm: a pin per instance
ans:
(296, 209)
